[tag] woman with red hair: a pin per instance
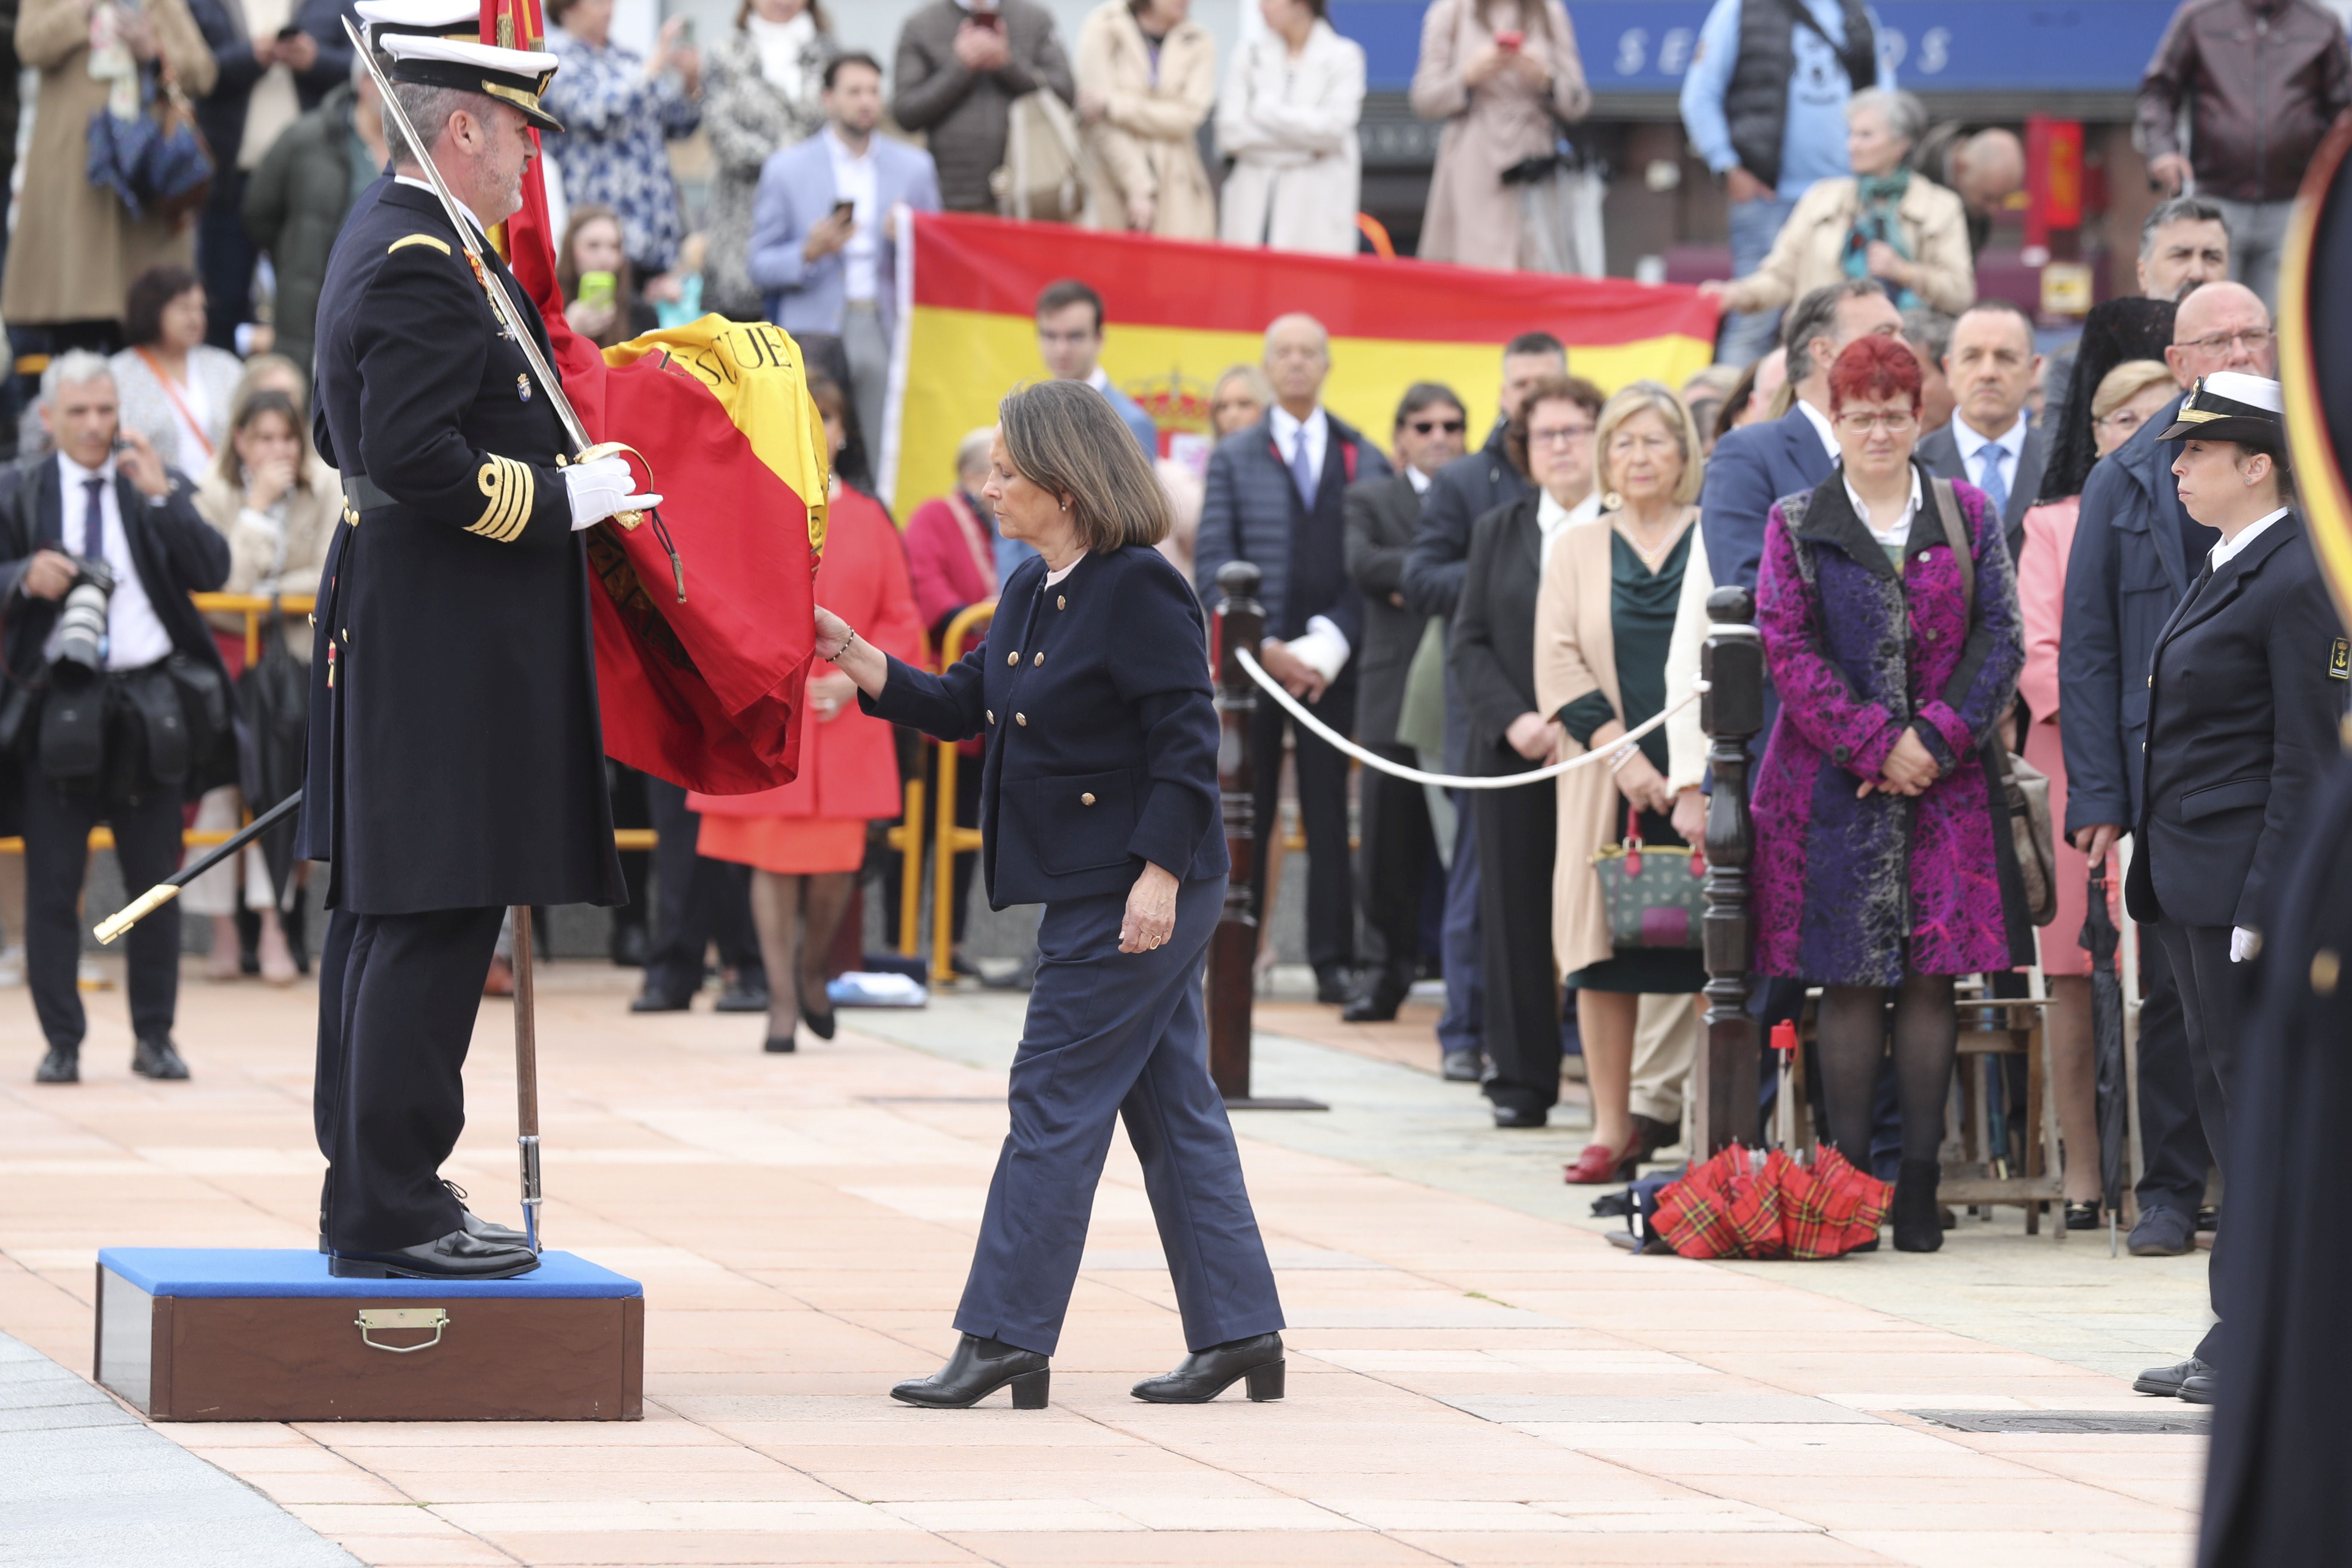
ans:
(1883, 866)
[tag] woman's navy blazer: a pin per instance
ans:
(1094, 699)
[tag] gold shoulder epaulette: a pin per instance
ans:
(440, 244)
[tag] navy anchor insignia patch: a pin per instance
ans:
(2339, 661)
(522, 387)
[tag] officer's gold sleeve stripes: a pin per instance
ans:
(510, 487)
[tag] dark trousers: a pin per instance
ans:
(697, 898)
(1322, 782)
(56, 855)
(1114, 1036)
(631, 808)
(397, 999)
(225, 256)
(2173, 1152)
(1461, 1027)
(2214, 998)
(1519, 830)
(1397, 851)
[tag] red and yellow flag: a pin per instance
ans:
(1181, 314)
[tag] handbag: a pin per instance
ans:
(1042, 177)
(1654, 898)
(156, 161)
(2024, 788)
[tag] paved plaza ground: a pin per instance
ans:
(1476, 1376)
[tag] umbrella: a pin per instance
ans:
(1744, 1204)
(274, 698)
(2101, 939)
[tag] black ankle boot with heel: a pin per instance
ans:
(1917, 1227)
(979, 1368)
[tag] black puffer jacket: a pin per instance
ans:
(294, 206)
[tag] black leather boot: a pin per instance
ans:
(1204, 1375)
(1917, 1227)
(978, 1369)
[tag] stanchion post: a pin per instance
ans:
(1233, 951)
(1731, 713)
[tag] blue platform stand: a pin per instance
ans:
(228, 1334)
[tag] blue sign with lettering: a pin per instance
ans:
(1938, 45)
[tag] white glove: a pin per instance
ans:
(2244, 945)
(601, 487)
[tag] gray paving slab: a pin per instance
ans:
(83, 1481)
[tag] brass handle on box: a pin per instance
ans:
(372, 1319)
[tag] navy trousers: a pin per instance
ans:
(2214, 996)
(397, 998)
(1113, 1035)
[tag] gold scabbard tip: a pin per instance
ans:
(139, 909)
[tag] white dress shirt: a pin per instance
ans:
(853, 180)
(1976, 452)
(135, 635)
(1323, 644)
(1821, 427)
(1553, 519)
(1419, 480)
(1899, 534)
(2228, 550)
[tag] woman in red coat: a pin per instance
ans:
(804, 841)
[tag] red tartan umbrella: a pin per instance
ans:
(1744, 1204)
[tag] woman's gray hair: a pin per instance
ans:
(75, 367)
(1064, 438)
(1905, 116)
(971, 452)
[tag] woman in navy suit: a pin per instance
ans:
(1098, 798)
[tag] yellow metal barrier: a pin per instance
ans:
(252, 607)
(906, 838)
(951, 839)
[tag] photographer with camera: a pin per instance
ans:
(116, 705)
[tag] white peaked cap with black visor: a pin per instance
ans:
(511, 76)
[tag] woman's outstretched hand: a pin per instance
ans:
(838, 643)
(1150, 915)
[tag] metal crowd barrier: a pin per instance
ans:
(948, 839)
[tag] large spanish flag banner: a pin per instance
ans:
(1178, 314)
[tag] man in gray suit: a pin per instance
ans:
(824, 250)
(1991, 364)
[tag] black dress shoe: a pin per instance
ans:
(1204, 1375)
(740, 998)
(2166, 1382)
(457, 1256)
(2209, 1218)
(1514, 1116)
(1916, 1226)
(2083, 1217)
(158, 1059)
(1378, 998)
(781, 1045)
(1331, 987)
(482, 1229)
(2162, 1232)
(1650, 1135)
(651, 1002)
(631, 946)
(821, 1025)
(2199, 1387)
(62, 1065)
(1463, 1067)
(978, 1369)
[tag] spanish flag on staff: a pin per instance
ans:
(699, 682)
(1179, 313)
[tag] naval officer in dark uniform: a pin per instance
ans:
(2246, 691)
(455, 764)
(1099, 799)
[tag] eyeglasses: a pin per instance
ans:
(1892, 421)
(1566, 435)
(2126, 420)
(2255, 339)
(1432, 426)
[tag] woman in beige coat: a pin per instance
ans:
(76, 247)
(1502, 74)
(1619, 600)
(1147, 76)
(1882, 222)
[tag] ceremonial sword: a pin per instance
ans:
(502, 305)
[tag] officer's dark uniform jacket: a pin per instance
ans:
(1092, 695)
(2247, 688)
(456, 756)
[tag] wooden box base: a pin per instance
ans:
(227, 1335)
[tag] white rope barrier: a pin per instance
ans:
(1449, 781)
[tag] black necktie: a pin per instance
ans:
(93, 521)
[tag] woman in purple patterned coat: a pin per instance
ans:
(1883, 862)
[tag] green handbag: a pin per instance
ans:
(1655, 898)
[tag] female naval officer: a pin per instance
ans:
(1099, 800)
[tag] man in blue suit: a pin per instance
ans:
(1070, 340)
(2136, 553)
(824, 248)
(1756, 464)
(1277, 497)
